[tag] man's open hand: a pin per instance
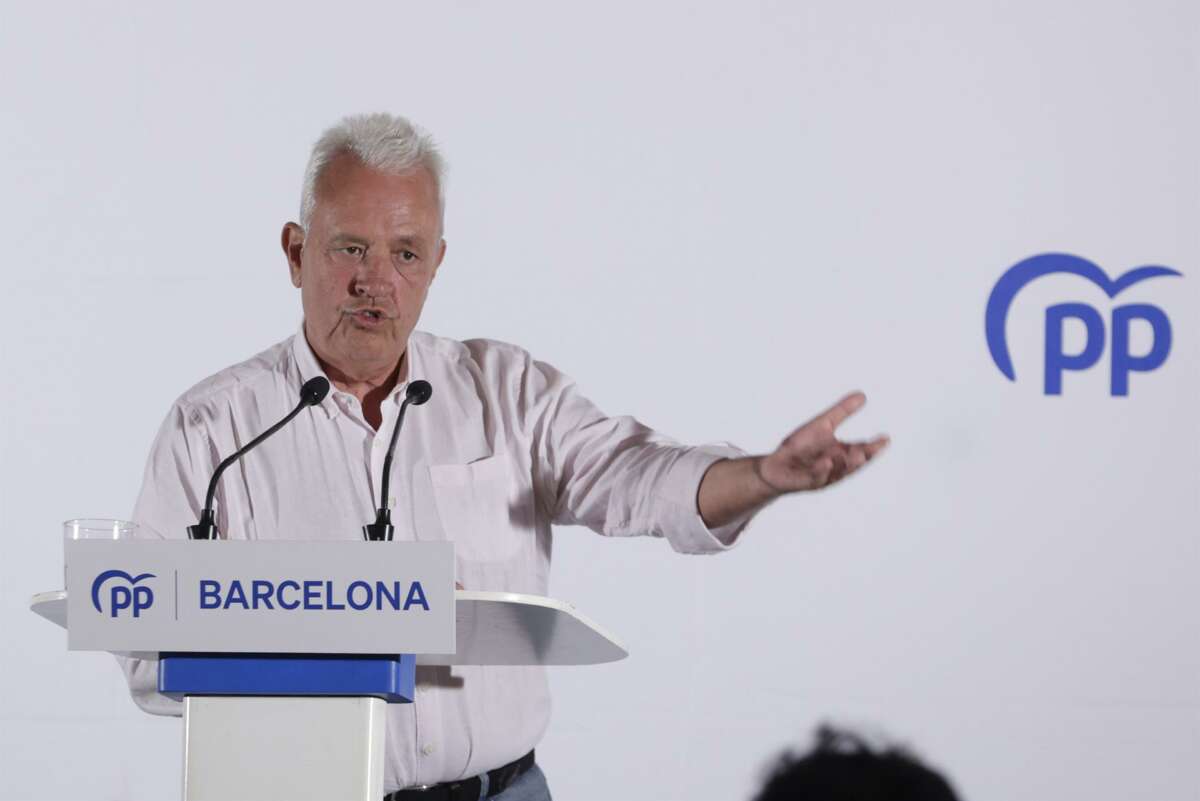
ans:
(812, 456)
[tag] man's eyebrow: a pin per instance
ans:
(348, 238)
(415, 241)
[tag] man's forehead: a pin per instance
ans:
(348, 182)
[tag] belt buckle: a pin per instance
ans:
(449, 790)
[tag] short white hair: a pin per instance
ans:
(384, 142)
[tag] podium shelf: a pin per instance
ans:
(492, 628)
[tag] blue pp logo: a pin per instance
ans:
(1057, 362)
(123, 595)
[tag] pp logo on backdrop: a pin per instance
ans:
(1057, 361)
(123, 593)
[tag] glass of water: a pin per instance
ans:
(95, 528)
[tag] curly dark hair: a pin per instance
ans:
(844, 767)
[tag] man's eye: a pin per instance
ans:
(349, 252)
(408, 255)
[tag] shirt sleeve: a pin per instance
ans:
(172, 495)
(178, 469)
(615, 475)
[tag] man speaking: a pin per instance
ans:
(506, 448)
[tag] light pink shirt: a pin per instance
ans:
(506, 447)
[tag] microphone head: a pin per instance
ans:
(314, 390)
(418, 392)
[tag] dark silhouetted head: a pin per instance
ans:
(843, 767)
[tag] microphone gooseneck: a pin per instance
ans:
(418, 392)
(312, 393)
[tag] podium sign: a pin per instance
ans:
(260, 596)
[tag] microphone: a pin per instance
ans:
(312, 393)
(417, 393)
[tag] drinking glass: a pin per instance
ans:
(95, 528)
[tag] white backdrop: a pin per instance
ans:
(717, 218)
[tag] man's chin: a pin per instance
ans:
(381, 330)
(369, 346)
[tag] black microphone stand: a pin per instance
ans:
(312, 393)
(382, 529)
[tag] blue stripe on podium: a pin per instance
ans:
(388, 677)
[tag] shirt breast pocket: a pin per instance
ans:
(479, 505)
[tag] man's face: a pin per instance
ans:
(365, 264)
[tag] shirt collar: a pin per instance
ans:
(308, 367)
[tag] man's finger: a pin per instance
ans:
(876, 445)
(839, 411)
(859, 453)
(821, 470)
(853, 455)
(840, 458)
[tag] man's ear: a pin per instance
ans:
(438, 262)
(292, 240)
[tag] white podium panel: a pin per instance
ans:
(260, 596)
(283, 749)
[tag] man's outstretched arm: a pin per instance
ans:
(811, 457)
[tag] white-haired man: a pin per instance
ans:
(507, 448)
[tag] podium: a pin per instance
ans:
(285, 654)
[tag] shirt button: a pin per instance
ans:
(427, 749)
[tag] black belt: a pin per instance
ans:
(467, 789)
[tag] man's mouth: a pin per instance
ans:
(367, 317)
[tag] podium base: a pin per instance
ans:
(283, 749)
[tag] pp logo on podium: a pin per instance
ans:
(123, 592)
(1057, 361)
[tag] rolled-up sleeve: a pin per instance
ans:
(681, 488)
(613, 474)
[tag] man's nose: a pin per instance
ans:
(373, 276)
